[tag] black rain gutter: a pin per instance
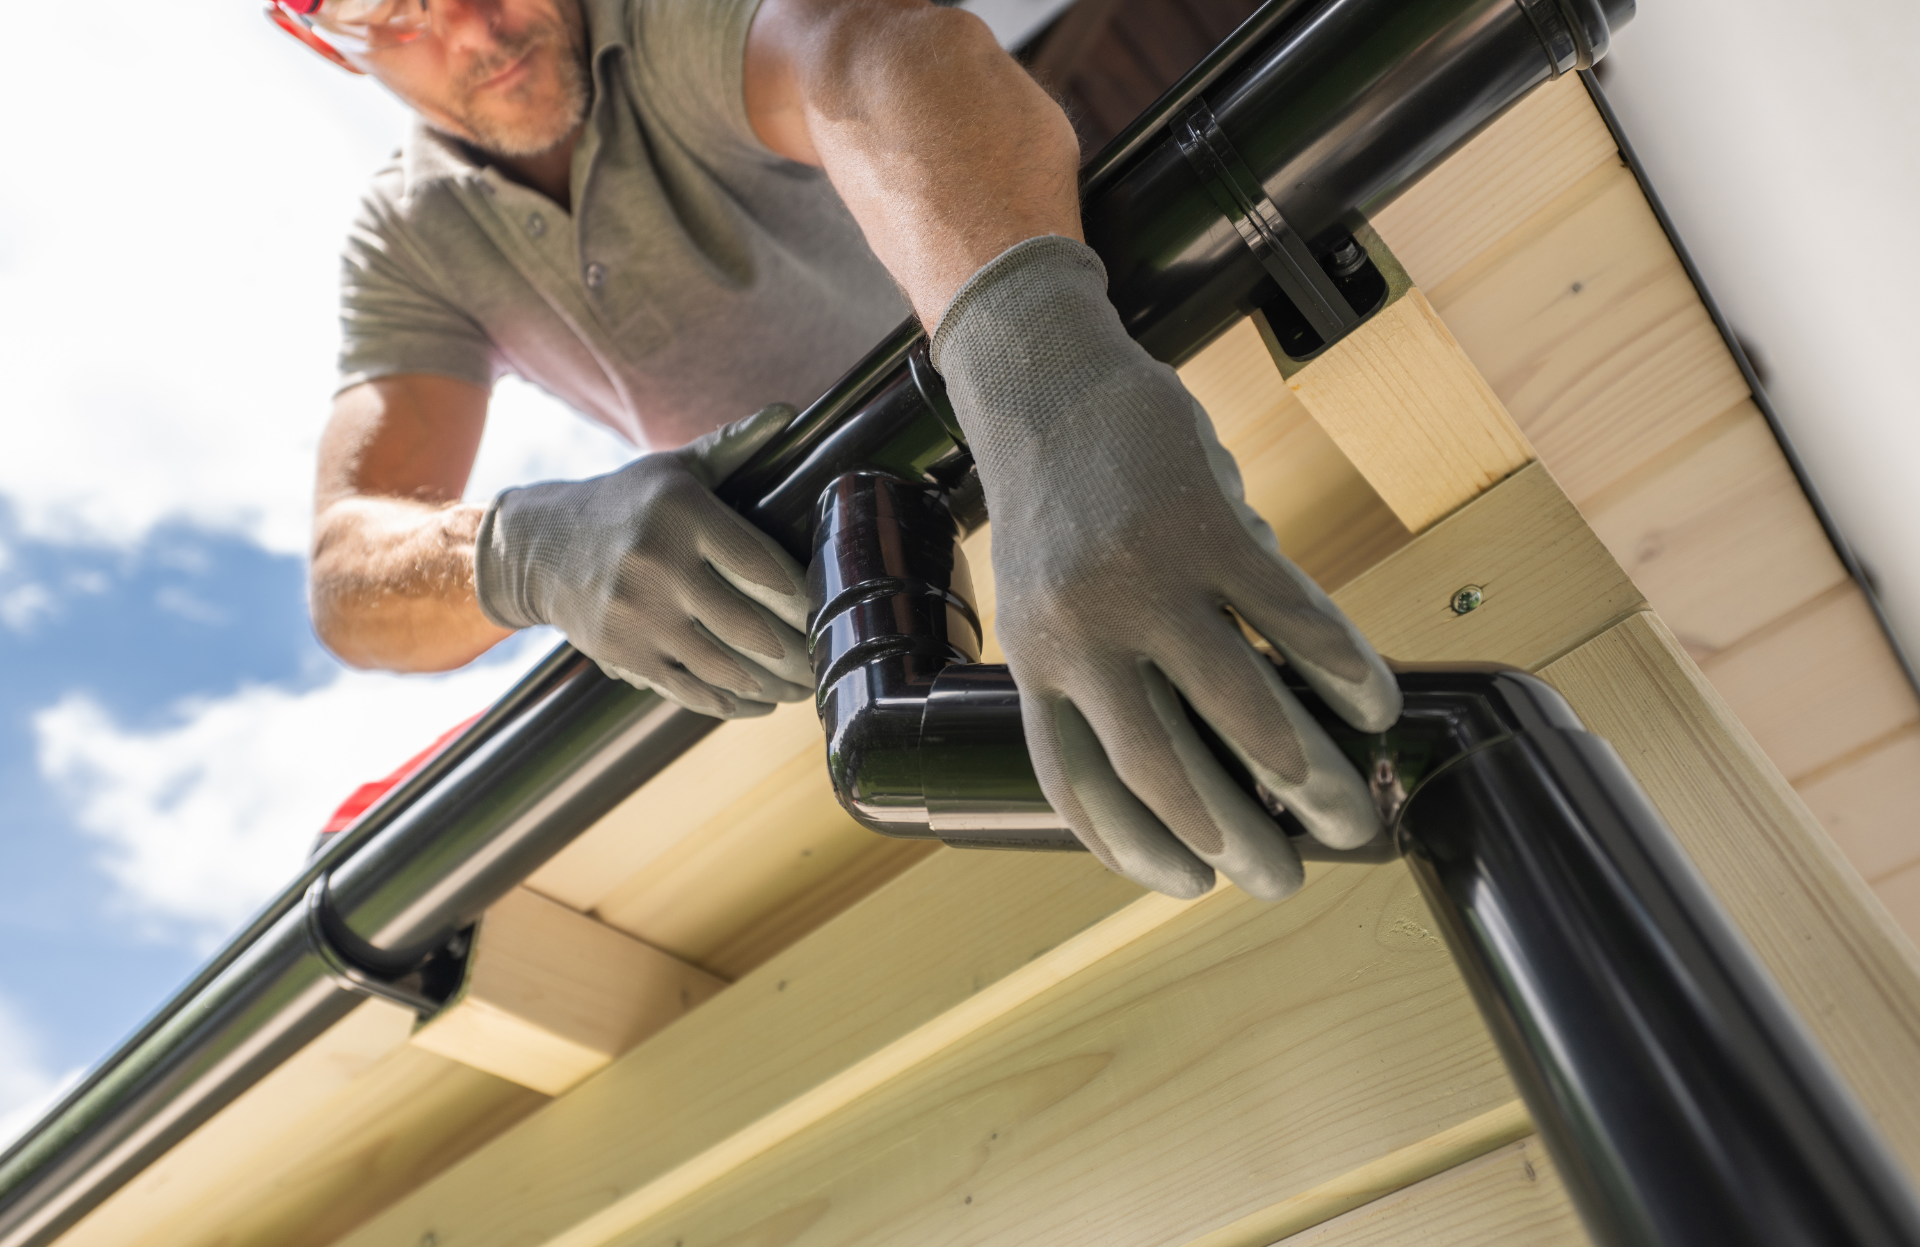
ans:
(1239, 192)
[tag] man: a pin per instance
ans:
(667, 212)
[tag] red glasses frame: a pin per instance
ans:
(282, 13)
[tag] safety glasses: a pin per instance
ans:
(346, 32)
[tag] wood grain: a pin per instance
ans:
(1548, 583)
(1718, 534)
(1496, 183)
(1512, 1198)
(1585, 324)
(1900, 892)
(1816, 685)
(1829, 944)
(1369, 1184)
(1412, 413)
(686, 795)
(1244, 1052)
(551, 995)
(1869, 803)
(836, 1002)
(352, 1138)
(777, 861)
(1329, 520)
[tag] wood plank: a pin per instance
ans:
(1496, 183)
(831, 1007)
(1411, 412)
(1547, 582)
(780, 859)
(686, 795)
(551, 995)
(1329, 520)
(1869, 802)
(1512, 1198)
(1718, 534)
(938, 952)
(1369, 1184)
(1245, 1051)
(250, 1179)
(301, 1088)
(1818, 684)
(1829, 944)
(1586, 326)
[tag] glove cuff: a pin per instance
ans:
(500, 579)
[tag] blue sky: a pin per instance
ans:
(171, 735)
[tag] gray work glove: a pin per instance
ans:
(654, 578)
(1121, 536)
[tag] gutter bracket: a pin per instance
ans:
(414, 990)
(1241, 198)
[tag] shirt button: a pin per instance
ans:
(596, 274)
(536, 225)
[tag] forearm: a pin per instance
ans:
(392, 584)
(943, 147)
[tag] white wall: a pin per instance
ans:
(1784, 139)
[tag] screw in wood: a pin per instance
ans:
(1467, 598)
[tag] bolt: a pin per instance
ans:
(1467, 598)
(1348, 258)
(429, 1239)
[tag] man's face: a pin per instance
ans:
(508, 76)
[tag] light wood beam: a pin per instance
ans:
(1241, 1053)
(352, 1122)
(1866, 802)
(1513, 1198)
(1410, 411)
(552, 996)
(1368, 1186)
(1718, 534)
(1816, 685)
(1496, 183)
(1585, 324)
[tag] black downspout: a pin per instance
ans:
(1678, 1093)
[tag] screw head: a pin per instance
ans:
(1467, 598)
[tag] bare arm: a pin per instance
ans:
(392, 577)
(943, 147)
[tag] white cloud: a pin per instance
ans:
(27, 1087)
(199, 822)
(169, 276)
(22, 606)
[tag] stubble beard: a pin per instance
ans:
(540, 113)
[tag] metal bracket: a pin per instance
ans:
(1278, 246)
(364, 980)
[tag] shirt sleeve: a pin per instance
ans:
(690, 70)
(393, 320)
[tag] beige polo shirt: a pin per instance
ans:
(698, 278)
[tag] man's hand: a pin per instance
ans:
(653, 577)
(392, 574)
(1121, 542)
(1121, 539)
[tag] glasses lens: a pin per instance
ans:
(375, 22)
